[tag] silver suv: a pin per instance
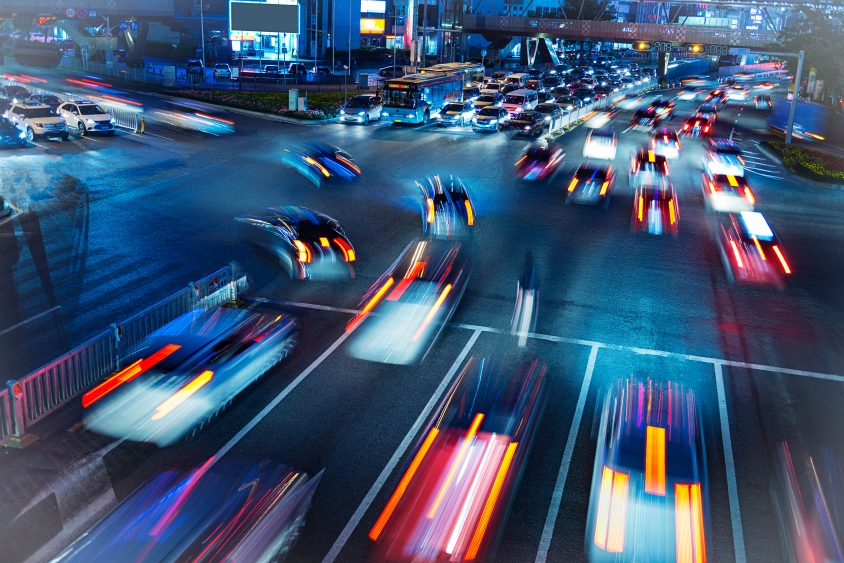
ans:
(37, 120)
(87, 117)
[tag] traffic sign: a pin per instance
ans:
(70, 12)
(108, 35)
(92, 13)
(483, 52)
(81, 13)
(124, 25)
(133, 25)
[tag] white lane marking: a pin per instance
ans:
(320, 307)
(762, 173)
(557, 497)
(280, 397)
(732, 488)
(765, 152)
(388, 469)
(29, 320)
(628, 129)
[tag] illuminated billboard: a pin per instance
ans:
(373, 6)
(264, 17)
(371, 26)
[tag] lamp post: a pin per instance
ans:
(345, 84)
(202, 32)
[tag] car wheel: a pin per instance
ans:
(81, 127)
(30, 134)
(65, 136)
(366, 119)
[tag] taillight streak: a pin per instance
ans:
(456, 463)
(348, 251)
(655, 461)
(612, 511)
(486, 514)
(430, 210)
(736, 254)
(572, 185)
(182, 394)
(431, 313)
(641, 206)
(688, 518)
(127, 374)
(759, 248)
(322, 168)
(470, 214)
(370, 304)
(785, 267)
(749, 196)
(671, 216)
(304, 255)
(349, 164)
(604, 187)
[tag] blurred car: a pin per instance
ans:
(47, 99)
(533, 84)
(86, 117)
(666, 142)
(193, 121)
(185, 373)
(320, 162)
(471, 93)
(37, 120)
(509, 87)
(297, 69)
(452, 503)
(224, 511)
(717, 97)
(655, 209)
(738, 93)
(447, 210)
(649, 500)
(551, 81)
(720, 145)
(645, 119)
(585, 94)
(541, 161)
(601, 117)
(601, 143)
(602, 92)
(362, 109)
(569, 103)
(545, 97)
(405, 310)
(553, 115)
(725, 164)
(665, 108)
(726, 193)
(529, 123)
(806, 492)
(488, 100)
(309, 245)
(648, 167)
(456, 113)
(762, 102)
(15, 94)
(491, 118)
(589, 82)
(689, 93)
(592, 184)
(10, 136)
(696, 126)
(750, 250)
(700, 80)
(222, 71)
(627, 82)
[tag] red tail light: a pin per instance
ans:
(370, 304)
(612, 511)
(706, 130)
(348, 251)
(182, 394)
(688, 520)
(686, 127)
(737, 254)
(785, 267)
(126, 374)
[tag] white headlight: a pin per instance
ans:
(89, 121)
(361, 112)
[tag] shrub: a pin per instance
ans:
(810, 163)
(321, 105)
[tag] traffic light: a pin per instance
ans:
(719, 49)
(641, 46)
(695, 48)
(662, 46)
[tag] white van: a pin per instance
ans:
(519, 78)
(518, 101)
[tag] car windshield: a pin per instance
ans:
(545, 109)
(218, 65)
(514, 99)
(590, 173)
(453, 107)
(538, 153)
(40, 112)
(91, 109)
(492, 112)
(357, 103)
(525, 116)
(486, 98)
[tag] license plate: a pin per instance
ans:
(398, 121)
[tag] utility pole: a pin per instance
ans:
(424, 37)
(395, 19)
(202, 32)
(333, 34)
(791, 112)
(316, 34)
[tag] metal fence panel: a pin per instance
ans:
(5, 417)
(123, 118)
(134, 329)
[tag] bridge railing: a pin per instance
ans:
(148, 8)
(621, 31)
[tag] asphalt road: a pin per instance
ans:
(112, 225)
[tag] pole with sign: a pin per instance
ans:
(794, 101)
(483, 56)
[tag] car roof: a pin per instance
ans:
(755, 225)
(603, 132)
(722, 144)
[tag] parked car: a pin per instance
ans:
(297, 68)
(222, 71)
(391, 72)
(195, 67)
(321, 71)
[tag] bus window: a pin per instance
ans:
(400, 98)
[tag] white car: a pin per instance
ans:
(456, 113)
(222, 70)
(37, 120)
(689, 93)
(488, 99)
(727, 194)
(361, 109)
(738, 93)
(601, 143)
(722, 164)
(87, 117)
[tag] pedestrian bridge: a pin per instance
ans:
(618, 32)
(128, 9)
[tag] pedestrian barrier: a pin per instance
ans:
(124, 118)
(28, 400)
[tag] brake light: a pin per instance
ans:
(665, 138)
(612, 511)
(686, 127)
(349, 164)
(651, 157)
(749, 196)
(405, 481)
(323, 242)
(706, 130)
(182, 394)
(736, 254)
(604, 187)
(348, 251)
(665, 167)
(126, 374)
(671, 216)
(470, 214)
(431, 313)
(641, 206)
(759, 248)
(521, 160)
(711, 187)
(322, 169)
(785, 267)
(304, 251)
(430, 210)
(370, 304)
(688, 519)
(655, 461)
(572, 184)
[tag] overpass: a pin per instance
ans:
(113, 9)
(617, 32)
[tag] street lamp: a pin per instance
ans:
(346, 80)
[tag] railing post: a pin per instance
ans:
(118, 334)
(17, 404)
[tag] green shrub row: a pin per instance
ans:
(321, 105)
(809, 163)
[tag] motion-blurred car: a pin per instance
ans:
(601, 117)
(689, 93)
(224, 511)
(488, 100)
(309, 245)
(541, 161)
(406, 308)
(601, 143)
(655, 209)
(530, 123)
(738, 93)
(663, 107)
(725, 164)
(585, 94)
(649, 500)
(47, 99)
(447, 210)
(666, 142)
(696, 127)
(86, 117)
(15, 94)
(553, 115)
(185, 373)
(456, 113)
(592, 184)
(750, 250)
(762, 102)
(708, 111)
(645, 119)
(726, 193)
(193, 121)
(362, 109)
(320, 162)
(569, 103)
(491, 118)
(720, 145)
(452, 502)
(647, 167)
(471, 93)
(10, 136)
(717, 97)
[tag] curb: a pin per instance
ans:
(251, 113)
(814, 183)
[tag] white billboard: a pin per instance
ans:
(263, 17)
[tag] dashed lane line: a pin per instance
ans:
(399, 453)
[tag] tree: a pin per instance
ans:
(821, 35)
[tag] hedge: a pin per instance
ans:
(321, 105)
(809, 163)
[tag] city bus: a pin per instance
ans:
(471, 72)
(415, 97)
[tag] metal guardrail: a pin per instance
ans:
(28, 400)
(619, 31)
(123, 118)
